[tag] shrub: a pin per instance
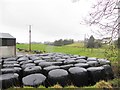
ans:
(102, 84)
(56, 86)
(71, 86)
(115, 82)
(41, 86)
(27, 87)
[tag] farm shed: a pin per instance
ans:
(7, 45)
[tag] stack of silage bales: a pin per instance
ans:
(49, 69)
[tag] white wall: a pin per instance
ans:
(7, 51)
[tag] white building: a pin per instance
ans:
(106, 40)
(7, 45)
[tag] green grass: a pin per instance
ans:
(78, 45)
(76, 48)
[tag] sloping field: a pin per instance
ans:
(76, 48)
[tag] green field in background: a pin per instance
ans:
(76, 48)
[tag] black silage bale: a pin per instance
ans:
(66, 67)
(84, 65)
(79, 76)
(59, 55)
(57, 63)
(52, 57)
(82, 57)
(4, 57)
(9, 80)
(0, 65)
(47, 58)
(49, 68)
(34, 57)
(10, 62)
(16, 65)
(34, 80)
(45, 64)
(27, 65)
(10, 65)
(43, 54)
(60, 60)
(104, 61)
(10, 59)
(11, 70)
(24, 58)
(93, 63)
(96, 74)
(18, 70)
(56, 58)
(38, 61)
(32, 70)
(81, 61)
(92, 59)
(108, 72)
(69, 61)
(0, 68)
(19, 56)
(59, 76)
(65, 57)
(73, 58)
(25, 62)
(1, 61)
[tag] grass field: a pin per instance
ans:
(75, 48)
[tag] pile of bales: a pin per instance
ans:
(53, 68)
(32, 51)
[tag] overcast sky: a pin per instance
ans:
(50, 19)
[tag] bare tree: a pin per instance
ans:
(104, 14)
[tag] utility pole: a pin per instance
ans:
(29, 38)
(84, 41)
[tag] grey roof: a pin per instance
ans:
(6, 35)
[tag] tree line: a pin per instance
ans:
(60, 42)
